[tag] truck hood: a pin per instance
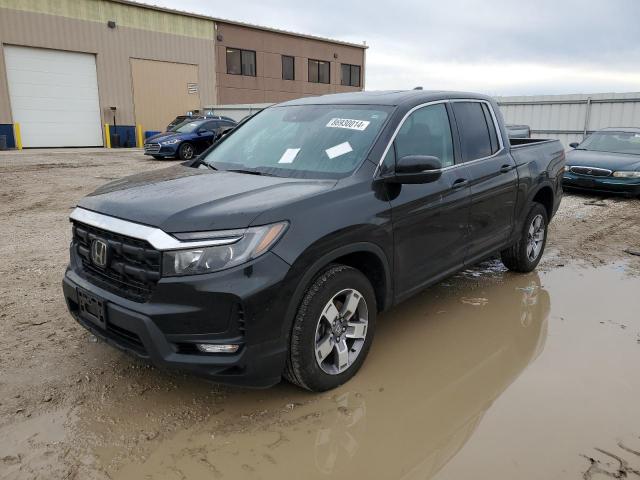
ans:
(185, 199)
(611, 161)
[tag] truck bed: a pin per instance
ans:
(541, 151)
(519, 142)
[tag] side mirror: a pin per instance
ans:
(416, 169)
(574, 144)
(223, 131)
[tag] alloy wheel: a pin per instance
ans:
(341, 331)
(535, 237)
(187, 151)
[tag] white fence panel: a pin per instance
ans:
(570, 118)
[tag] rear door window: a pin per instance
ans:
(493, 135)
(210, 126)
(475, 137)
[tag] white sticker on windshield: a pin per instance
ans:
(289, 155)
(338, 150)
(348, 123)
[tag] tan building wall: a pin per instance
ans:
(268, 85)
(176, 39)
(113, 49)
(152, 80)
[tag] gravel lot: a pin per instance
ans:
(74, 408)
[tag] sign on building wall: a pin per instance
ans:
(192, 88)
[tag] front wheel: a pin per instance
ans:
(186, 151)
(333, 329)
(525, 255)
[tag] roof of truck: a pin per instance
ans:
(384, 97)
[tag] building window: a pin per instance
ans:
(241, 62)
(319, 71)
(288, 67)
(350, 75)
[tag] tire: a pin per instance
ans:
(186, 151)
(525, 255)
(314, 352)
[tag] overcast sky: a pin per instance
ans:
(499, 47)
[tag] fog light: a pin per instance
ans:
(213, 348)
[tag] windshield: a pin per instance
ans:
(303, 141)
(187, 127)
(178, 123)
(615, 142)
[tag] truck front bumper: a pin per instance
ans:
(242, 306)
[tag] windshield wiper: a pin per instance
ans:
(249, 172)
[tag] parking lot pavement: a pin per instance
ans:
(487, 375)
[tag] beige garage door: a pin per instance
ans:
(163, 90)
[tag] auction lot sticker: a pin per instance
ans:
(348, 123)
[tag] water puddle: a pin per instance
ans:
(488, 375)
(32, 446)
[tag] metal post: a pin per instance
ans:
(586, 118)
(17, 136)
(139, 136)
(107, 136)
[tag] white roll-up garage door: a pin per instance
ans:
(54, 97)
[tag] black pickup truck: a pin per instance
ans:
(271, 255)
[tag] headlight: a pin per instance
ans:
(239, 247)
(171, 142)
(626, 174)
(567, 168)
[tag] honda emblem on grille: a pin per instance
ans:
(99, 253)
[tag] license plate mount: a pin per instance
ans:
(92, 308)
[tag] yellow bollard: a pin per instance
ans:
(107, 136)
(17, 135)
(140, 140)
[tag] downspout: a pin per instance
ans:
(364, 64)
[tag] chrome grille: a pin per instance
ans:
(151, 147)
(591, 171)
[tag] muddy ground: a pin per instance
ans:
(487, 375)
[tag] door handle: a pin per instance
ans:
(506, 168)
(459, 183)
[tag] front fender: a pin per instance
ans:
(311, 263)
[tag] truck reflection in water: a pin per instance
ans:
(439, 362)
(428, 382)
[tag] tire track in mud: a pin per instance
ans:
(615, 465)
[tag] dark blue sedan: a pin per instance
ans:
(188, 139)
(607, 161)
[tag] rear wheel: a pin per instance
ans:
(525, 255)
(333, 329)
(186, 151)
